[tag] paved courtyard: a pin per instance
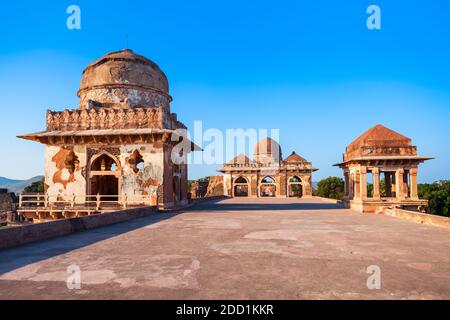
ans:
(238, 249)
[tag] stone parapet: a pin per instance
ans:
(377, 206)
(418, 217)
(16, 236)
(111, 118)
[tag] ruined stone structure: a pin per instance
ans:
(391, 160)
(215, 187)
(198, 189)
(7, 207)
(207, 188)
(268, 175)
(118, 143)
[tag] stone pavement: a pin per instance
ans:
(238, 249)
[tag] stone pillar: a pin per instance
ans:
(394, 184)
(399, 184)
(352, 186)
(413, 174)
(363, 183)
(286, 184)
(405, 185)
(283, 183)
(388, 184)
(357, 185)
(376, 183)
(308, 187)
(252, 187)
(258, 189)
(232, 185)
(347, 186)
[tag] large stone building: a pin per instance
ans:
(391, 161)
(118, 143)
(268, 175)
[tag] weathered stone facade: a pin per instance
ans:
(119, 142)
(268, 174)
(382, 152)
(215, 187)
(7, 207)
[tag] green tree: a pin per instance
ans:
(35, 187)
(331, 187)
(438, 196)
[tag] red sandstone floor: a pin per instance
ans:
(238, 249)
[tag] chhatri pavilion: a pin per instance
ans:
(391, 161)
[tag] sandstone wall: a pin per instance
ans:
(227, 185)
(215, 186)
(65, 172)
(145, 181)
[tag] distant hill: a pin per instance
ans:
(5, 181)
(17, 186)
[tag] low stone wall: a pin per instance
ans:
(418, 217)
(199, 200)
(16, 236)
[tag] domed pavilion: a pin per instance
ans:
(380, 170)
(116, 147)
(267, 174)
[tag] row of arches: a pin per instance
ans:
(267, 187)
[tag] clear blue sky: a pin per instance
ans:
(309, 68)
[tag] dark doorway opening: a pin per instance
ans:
(268, 187)
(105, 186)
(241, 191)
(295, 189)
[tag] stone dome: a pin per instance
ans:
(123, 79)
(267, 151)
(380, 141)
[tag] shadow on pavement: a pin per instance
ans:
(265, 206)
(18, 257)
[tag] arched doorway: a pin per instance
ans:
(295, 187)
(104, 177)
(268, 187)
(241, 187)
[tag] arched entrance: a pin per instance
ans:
(104, 177)
(268, 187)
(241, 187)
(295, 187)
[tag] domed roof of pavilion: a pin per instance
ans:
(240, 159)
(267, 146)
(124, 69)
(295, 158)
(379, 135)
(380, 141)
